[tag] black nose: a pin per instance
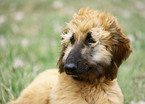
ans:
(69, 68)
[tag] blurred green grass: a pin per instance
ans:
(30, 41)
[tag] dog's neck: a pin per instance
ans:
(91, 82)
(92, 93)
(78, 81)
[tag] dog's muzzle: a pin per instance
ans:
(75, 64)
(76, 69)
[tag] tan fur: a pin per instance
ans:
(50, 87)
(106, 92)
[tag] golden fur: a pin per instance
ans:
(50, 83)
(52, 87)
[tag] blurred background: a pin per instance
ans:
(30, 41)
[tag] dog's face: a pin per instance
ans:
(93, 46)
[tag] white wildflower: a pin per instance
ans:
(2, 41)
(2, 19)
(36, 68)
(126, 14)
(57, 4)
(140, 102)
(25, 42)
(131, 37)
(19, 16)
(139, 5)
(132, 102)
(18, 62)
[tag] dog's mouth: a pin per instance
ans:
(74, 76)
(77, 77)
(77, 74)
(89, 74)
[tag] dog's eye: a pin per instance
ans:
(72, 39)
(89, 39)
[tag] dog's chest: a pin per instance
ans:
(92, 94)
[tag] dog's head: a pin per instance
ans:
(93, 46)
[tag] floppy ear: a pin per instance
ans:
(120, 49)
(111, 70)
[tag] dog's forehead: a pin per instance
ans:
(86, 22)
(81, 30)
(81, 27)
(102, 25)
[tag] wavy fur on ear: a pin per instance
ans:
(111, 71)
(120, 48)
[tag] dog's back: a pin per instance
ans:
(39, 90)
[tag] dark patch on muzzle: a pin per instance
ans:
(75, 64)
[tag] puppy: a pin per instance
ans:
(93, 48)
